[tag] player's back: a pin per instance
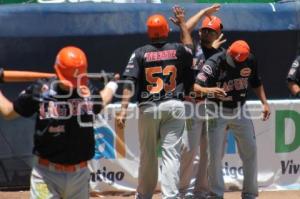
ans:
(164, 69)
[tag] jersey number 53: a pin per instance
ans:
(156, 84)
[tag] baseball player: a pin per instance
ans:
(160, 70)
(293, 78)
(224, 78)
(207, 43)
(63, 140)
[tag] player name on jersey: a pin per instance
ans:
(161, 55)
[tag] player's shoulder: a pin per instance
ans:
(38, 88)
(43, 81)
(217, 57)
(216, 61)
(252, 61)
(182, 48)
(221, 49)
(180, 45)
(140, 50)
(40, 83)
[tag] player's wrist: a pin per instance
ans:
(205, 12)
(263, 101)
(209, 90)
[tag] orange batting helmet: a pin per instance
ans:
(70, 65)
(157, 27)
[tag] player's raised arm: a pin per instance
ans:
(109, 90)
(179, 20)
(194, 20)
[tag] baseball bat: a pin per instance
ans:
(22, 76)
(29, 76)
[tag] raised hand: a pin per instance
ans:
(179, 15)
(212, 9)
(218, 42)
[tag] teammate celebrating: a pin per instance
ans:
(207, 42)
(63, 139)
(224, 78)
(161, 71)
(293, 78)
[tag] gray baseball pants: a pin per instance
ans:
(47, 183)
(194, 139)
(162, 121)
(242, 128)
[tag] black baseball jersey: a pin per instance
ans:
(58, 135)
(216, 72)
(294, 72)
(201, 54)
(161, 70)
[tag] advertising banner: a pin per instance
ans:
(115, 165)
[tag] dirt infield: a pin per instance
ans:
(229, 195)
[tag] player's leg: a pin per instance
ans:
(244, 133)
(190, 139)
(77, 185)
(148, 168)
(216, 136)
(45, 183)
(201, 184)
(171, 129)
